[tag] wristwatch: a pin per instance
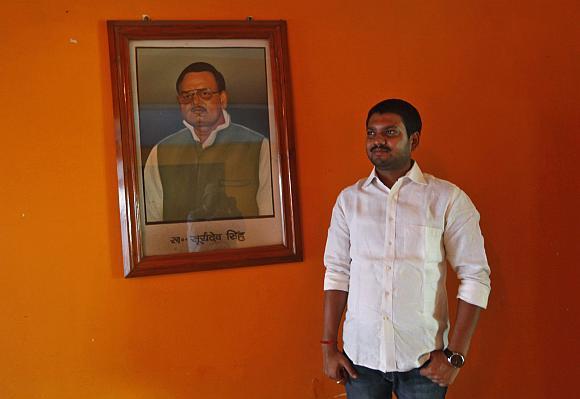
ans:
(455, 359)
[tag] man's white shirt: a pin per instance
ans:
(389, 249)
(154, 188)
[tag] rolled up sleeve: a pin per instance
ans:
(464, 247)
(337, 253)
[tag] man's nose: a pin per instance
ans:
(379, 139)
(196, 99)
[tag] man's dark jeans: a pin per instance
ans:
(374, 384)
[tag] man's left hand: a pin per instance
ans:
(439, 370)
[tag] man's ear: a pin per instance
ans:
(224, 99)
(415, 139)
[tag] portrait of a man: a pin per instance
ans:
(206, 147)
(212, 168)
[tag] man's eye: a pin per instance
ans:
(370, 133)
(392, 132)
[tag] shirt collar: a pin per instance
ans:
(211, 138)
(414, 174)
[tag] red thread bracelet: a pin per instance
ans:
(328, 342)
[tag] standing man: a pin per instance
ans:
(212, 168)
(390, 239)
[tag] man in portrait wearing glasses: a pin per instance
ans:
(391, 237)
(212, 168)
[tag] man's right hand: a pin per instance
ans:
(337, 366)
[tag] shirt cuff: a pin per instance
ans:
(335, 282)
(474, 292)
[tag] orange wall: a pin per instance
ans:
(497, 83)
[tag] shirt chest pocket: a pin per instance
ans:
(422, 244)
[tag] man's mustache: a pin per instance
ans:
(380, 147)
(198, 109)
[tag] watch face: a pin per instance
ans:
(456, 360)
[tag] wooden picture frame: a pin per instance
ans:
(206, 171)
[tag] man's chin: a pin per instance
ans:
(382, 166)
(386, 166)
(380, 162)
(198, 122)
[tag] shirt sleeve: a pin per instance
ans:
(153, 188)
(337, 253)
(465, 250)
(264, 194)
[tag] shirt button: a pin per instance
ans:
(390, 243)
(388, 267)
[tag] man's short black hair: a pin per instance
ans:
(202, 67)
(409, 114)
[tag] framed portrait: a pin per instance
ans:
(205, 145)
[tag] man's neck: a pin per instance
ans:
(390, 177)
(204, 132)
